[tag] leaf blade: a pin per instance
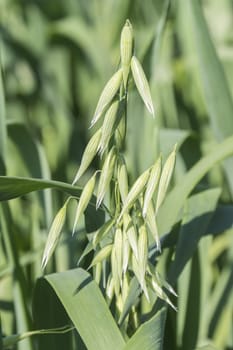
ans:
(86, 307)
(217, 95)
(168, 213)
(150, 335)
(13, 187)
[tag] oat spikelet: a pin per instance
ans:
(88, 155)
(142, 84)
(122, 178)
(106, 176)
(126, 50)
(102, 231)
(101, 255)
(118, 246)
(54, 234)
(110, 289)
(161, 294)
(165, 284)
(131, 234)
(107, 95)
(152, 224)
(165, 178)
(114, 270)
(108, 126)
(84, 199)
(152, 185)
(135, 191)
(125, 252)
(142, 253)
(137, 272)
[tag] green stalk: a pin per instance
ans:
(3, 130)
(23, 320)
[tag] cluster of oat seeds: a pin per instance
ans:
(121, 244)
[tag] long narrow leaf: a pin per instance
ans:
(216, 90)
(197, 215)
(13, 187)
(3, 129)
(86, 307)
(150, 335)
(217, 94)
(168, 212)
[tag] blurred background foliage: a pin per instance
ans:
(55, 59)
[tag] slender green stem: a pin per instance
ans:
(19, 282)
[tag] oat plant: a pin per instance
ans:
(123, 241)
(121, 244)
